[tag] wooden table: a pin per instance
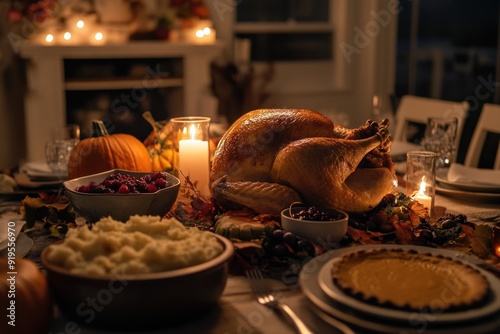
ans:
(239, 312)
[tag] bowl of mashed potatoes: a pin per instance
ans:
(145, 272)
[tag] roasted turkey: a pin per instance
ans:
(270, 158)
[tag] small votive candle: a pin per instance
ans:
(495, 239)
(192, 150)
(421, 178)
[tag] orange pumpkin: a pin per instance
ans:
(25, 296)
(103, 152)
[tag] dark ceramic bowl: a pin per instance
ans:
(141, 301)
(120, 206)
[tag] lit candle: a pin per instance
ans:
(422, 197)
(495, 240)
(194, 160)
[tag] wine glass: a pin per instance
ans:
(440, 136)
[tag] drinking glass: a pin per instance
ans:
(440, 137)
(58, 149)
(421, 178)
(192, 150)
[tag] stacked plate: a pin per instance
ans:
(468, 183)
(10, 227)
(329, 302)
(38, 174)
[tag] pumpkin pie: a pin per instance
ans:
(408, 280)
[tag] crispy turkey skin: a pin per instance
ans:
(270, 158)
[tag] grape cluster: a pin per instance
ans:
(127, 184)
(313, 213)
(283, 244)
(447, 227)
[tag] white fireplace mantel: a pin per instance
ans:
(45, 105)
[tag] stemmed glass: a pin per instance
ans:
(440, 137)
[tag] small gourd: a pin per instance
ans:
(25, 298)
(242, 227)
(159, 144)
(103, 152)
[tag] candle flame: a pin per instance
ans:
(49, 38)
(67, 35)
(99, 36)
(192, 131)
(497, 251)
(422, 186)
(80, 24)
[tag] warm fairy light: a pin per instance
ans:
(200, 33)
(98, 36)
(49, 38)
(67, 36)
(80, 24)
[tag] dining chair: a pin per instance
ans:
(416, 109)
(488, 122)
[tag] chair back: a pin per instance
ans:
(489, 121)
(418, 109)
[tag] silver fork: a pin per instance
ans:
(266, 298)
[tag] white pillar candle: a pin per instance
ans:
(194, 161)
(421, 196)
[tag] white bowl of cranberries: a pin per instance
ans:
(320, 225)
(120, 194)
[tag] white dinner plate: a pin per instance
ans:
(23, 246)
(442, 178)
(310, 284)
(5, 228)
(24, 180)
(329, 288)
(472, 196)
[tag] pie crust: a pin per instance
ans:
(408, 280)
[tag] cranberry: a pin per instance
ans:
(151, 188)
(125, 184)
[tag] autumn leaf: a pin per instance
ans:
(404, 233)
(30, 210)
(416, 211)
(480, 242)
(363, 237)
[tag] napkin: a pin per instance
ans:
(6, 222)
(463, 174)
(7, 184)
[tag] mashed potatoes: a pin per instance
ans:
(143, 244)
